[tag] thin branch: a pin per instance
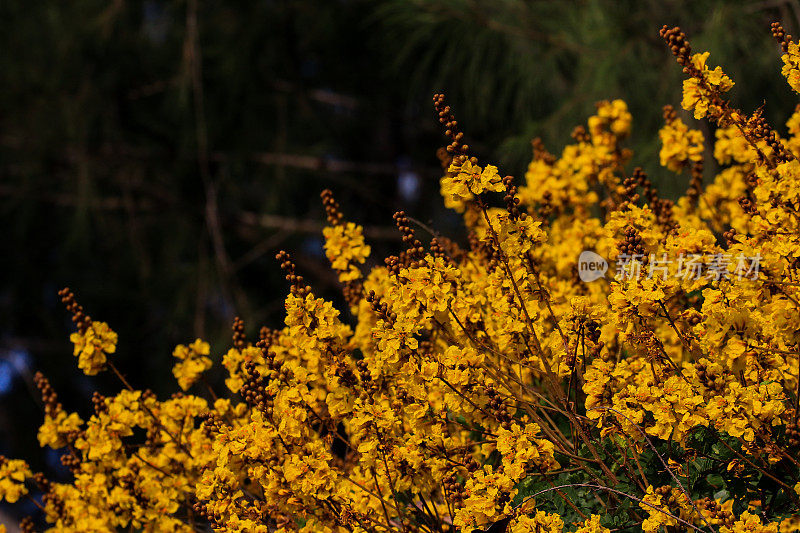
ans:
(296, 225)
(614, 491)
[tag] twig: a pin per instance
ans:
(193, 56)
(660, 458)
(296, 225)
(619, 492)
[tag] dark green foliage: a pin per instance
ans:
(516, 70)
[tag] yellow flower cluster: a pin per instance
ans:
(345, 248)
(699, 91)
(541, 522)
(791, 66)
(508, 382)
(92, 346)
(13, 473)
(680, 146)
(465, 179)
(193, 360)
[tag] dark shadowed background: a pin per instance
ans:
(155, 155)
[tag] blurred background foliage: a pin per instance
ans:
(155, 155)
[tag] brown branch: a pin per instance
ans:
(193, 57)
(295, 225)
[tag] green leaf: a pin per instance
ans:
(715, 480)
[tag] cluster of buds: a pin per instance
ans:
(332, 212)
(546, 208)
(297, 287)
(580, 135)
(363, 371)
(437, 250)
(49, 397)
(716, 512)
(631, 184)
(71, 461)
(669, 114)
(239, 338)
(344, 372)
(748, 206)
(647, 340)
(760, 129)
(79, 317)
(708, 379)
(793, 435)
(393, 264)
(201, 510)
(592, 330)
(498, 408)
(730, 237)
(695, 183)
(447, 120)
(27, 525)
(512, 200)
(254, 389)
(678, 45)
(99, 403)
(264, 344)
(781, 36)
(211, 423)
(268, 335)
(454, 490)
(632, 245)
(381, 308)
(415, 251)
(540, 153)
(661, 207)
(486, 248)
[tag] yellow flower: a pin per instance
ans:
(345, 249)
(541, 522)
(611, 123)
(698, 93)
(92, 346)
(13, 473)
(592, 525)
(791, 66)
(680, 146)
(53, 431)
(466, 180)
(750, 523)
(192, 362)
(790, 524)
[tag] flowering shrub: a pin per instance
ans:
(514, 383)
